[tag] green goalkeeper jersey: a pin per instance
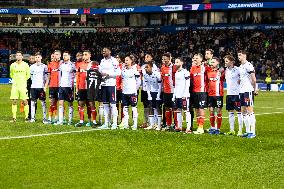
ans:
(20, 73)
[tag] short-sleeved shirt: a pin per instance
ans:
(245, 79)
(38, 75)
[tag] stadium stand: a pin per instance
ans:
(266, 48)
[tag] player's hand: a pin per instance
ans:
(255, 93)
(105, 74)
(44, 89)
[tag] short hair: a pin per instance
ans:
(107, 48)
(180, 59)
(216, 58)
(230, 58)
(150, 54)
(79, 53)
(19, 52)
(168, 55)
(211, 50)
(132, 58)
(38, 54)
(199, 54)
(87, 51)
(242, 52)
(55, 51)
(66, 52)
(121, 55)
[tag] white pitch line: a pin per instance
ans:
(48, 134)
(89, 130)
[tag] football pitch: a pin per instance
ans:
(34, 155)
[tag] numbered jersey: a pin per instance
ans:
(94, 79)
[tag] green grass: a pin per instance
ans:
(142, 159)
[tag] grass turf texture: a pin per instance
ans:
(142, 159)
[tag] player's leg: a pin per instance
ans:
(230, 108)
(33, 98)
(159, 114)
(202, 103)
(152, 105)
(26, 110)
(252, 119)
(101, 107)
(82, 100)
(168, 106)
(119, 105)
(244, 108)
(112, 101)
(62, 97)
(219, 105)
(93, 112)
(23, 95)
(186, 108)
(42, 98)
(144, 100)
(106, 106)
(125, 103)
(178, 114)
(134, 111)
(237, 107)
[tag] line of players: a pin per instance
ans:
(171, 86)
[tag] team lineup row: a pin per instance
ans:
(167, 92)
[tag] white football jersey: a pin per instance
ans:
(182, 84)
(232, 76)
(129, 80)
(111, 67)
(153, 81)
(67, 74)
(38, 75)
(245, 80)
(144, 87)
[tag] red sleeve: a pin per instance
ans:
(48, 68)
(223, 75)
(77, 74)
(191, 72)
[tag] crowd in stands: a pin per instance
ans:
(265, 48)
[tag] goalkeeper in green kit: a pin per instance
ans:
(20, 73)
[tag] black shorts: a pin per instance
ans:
(247, 99)
(108, 94)
(215, 101)
(199, 100)
(37, 93)
(82, 95)
(129, 100)
(118, 96)
(92, 95)
(233, 102)
(181, 103)
(99, 96)
(144, 98)
(154, 103)
(168, 100)
(66, 93)
(53, 92)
